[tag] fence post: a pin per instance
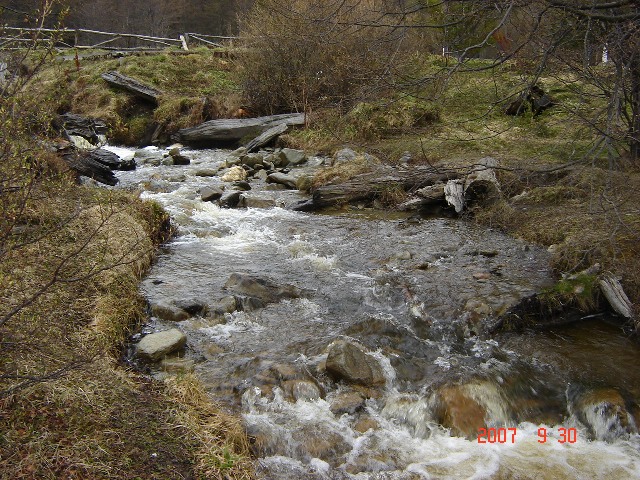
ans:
(184, 39)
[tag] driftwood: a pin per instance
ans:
(85, 164)
(613, 292)
(110, 159)
(454, 194)
(231, 130)
(265, 137)
(132, 85)
(369, 186)
(77, 125)
(481, 185)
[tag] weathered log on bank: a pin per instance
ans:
(369, 186)
(230, 130)
(84, 163)
(265, 137)
(91, 129)
(618, 300)
(133, 86)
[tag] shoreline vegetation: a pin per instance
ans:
(70, 409)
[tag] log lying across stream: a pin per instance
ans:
(369, 186)
(425, 186)
(230, 130)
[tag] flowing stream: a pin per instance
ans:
(417, 294)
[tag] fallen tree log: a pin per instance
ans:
(481, 184)
(454, 194)
(369, 186)
(133, 86)
(91, 129)
(230, 130)
(618, 300)
(265, 137)
(85, 164)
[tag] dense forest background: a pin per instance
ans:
(151, 17)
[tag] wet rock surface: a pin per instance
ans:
(351, 362)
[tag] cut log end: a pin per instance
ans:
(618, 300)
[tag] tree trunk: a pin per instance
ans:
(228, 130)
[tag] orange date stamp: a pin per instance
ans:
(508, 435)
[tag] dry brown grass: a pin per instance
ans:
(590, 216)
(68, 409)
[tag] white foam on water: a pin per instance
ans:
(442, 363)
(239, 323)
(122, 152)
(301, 250)
(408, 442)
(387, 369)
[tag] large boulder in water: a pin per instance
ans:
(349, 361)
(261, 288)
(604, 412)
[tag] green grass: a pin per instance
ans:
(185, 81)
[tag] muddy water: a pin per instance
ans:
(418, 293)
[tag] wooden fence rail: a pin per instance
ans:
(13, 37)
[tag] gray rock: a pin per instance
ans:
(249, 304)
(262, 288)
(180, 159)
(256, 201)
(343, 156)
(211, 192)
(192, 306)
(304, 182)
(148, 157)
(226, 304)
(282, 179)
(230, 199)
(168, 312)
(349, 403)
(405, 159)
(302, 390)
(238, 152)
(349, 361)
(174, 149)
(242, 185)
(206, 172)
(167, 161)
(252, 159)
(275, 187)
(155, 346)
(261, 175)
(290, 157)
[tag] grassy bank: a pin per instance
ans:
(195, 86)
(68, 408)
